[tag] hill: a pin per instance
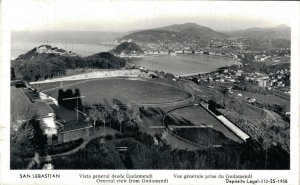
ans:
(127, 48)
(46, 62)
(193, 29)
(104, 60)
(177, 33)
(276, 32)
(194, 33)
(45, 50)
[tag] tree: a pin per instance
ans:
(39, 140)
(103, 116)
(133, 114)
(94, 114)
(109, 111)
(120, 118)
(30, 136)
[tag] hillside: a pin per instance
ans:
(104, 60)
(45, 62)
(45, 50)
(127, 48)
(276, 32)
(194, 30)
(181, 27)
(194, 33)
(178, 33)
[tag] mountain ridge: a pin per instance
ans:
(278, 31)
(173, 34)
(181, 33)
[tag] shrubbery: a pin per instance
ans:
(142, 153)
(64, 147)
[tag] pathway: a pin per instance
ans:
(98, 133)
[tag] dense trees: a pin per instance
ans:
(103, 60)
(98, 154)
(128, 48)
(143, 153)
(33, 70)
(26, 139)
(33, 66)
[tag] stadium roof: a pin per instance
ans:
(234, 128)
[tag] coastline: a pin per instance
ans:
(135, 62)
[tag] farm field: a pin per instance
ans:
(125, 91)
(197, 115)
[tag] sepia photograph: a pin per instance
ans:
(150, 85)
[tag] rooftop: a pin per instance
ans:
(22, 108)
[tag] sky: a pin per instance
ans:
(123, 16)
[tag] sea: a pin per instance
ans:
(178, 65)
(82, 49)
(187, 64)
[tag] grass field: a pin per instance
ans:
(50, 85)
(269, 98)
(103, 91)
(218, 134)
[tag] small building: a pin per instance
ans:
(261, 82)
(26, 103)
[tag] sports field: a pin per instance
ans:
(215, 134)
(125, 91)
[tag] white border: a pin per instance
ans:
(8, 176)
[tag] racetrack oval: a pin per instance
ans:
(125, 91)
